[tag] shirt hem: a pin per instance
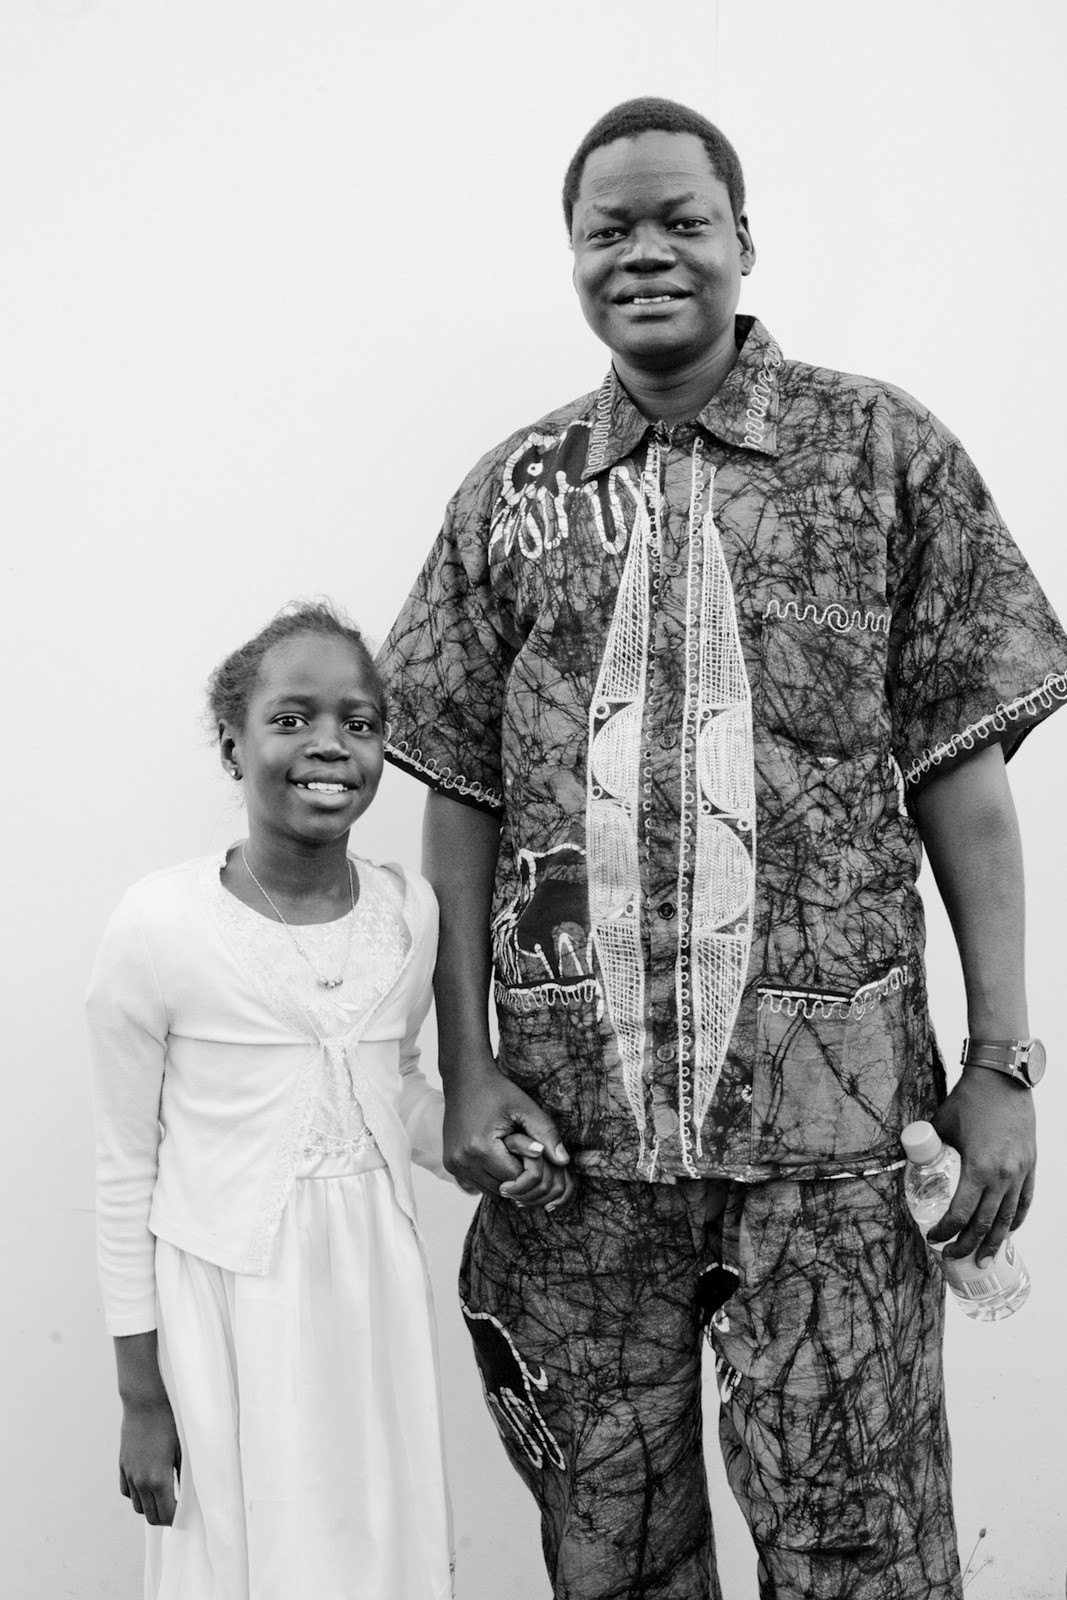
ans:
(1026, 710)
(445, 781)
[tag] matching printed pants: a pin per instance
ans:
(824, 1315)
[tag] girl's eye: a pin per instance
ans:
(289, 720)
(361, 725)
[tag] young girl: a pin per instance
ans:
(253, 1020)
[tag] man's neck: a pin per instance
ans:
(680, 393)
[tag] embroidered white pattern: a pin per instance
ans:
(612, 786)
(807, 1003)
(719, 812)
(536, 515)
(444, 777)
(1054, 688)
(760, 400)
(834, 615)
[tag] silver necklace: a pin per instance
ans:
(324, 983)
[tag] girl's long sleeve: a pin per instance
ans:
(422, 1107)
(127, 1022)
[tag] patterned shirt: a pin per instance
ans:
(699, 672)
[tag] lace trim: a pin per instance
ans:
(834, 615)
(443, 777)
(808, 1003)
(286, 1005)
(1053, 689)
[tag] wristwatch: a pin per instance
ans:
(1021, 1059)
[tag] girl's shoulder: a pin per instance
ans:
(410, 890)
(171, 888)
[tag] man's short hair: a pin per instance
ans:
(650, 114)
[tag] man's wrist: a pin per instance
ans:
(1020, 1059)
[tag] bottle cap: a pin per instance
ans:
(921, 1142)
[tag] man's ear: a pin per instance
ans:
(748, 248)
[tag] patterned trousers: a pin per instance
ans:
(825, 1318)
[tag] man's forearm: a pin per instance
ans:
(460, 848)
(970, 832)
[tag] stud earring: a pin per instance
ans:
(235, 774)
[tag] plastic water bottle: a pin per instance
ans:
(986, 1293)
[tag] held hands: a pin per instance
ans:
(990, 1120)
(499, 1141)
(150, 1458)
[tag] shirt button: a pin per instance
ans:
(669, 740)
(666, 911)
(666, 1052)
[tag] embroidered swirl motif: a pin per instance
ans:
(1054, 688)
(444, 777)
(834, 615)
(759, 403)
(806, 1003)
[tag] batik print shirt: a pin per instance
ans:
(699, 673)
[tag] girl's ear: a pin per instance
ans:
(228, 753)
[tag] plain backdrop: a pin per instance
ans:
(274, 273)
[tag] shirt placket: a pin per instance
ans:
(668, 739)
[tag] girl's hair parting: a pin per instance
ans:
(233, 682)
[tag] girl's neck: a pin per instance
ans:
(300, 873)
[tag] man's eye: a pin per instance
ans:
(688, 224)
(605, 235)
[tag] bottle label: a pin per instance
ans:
(972, 1282)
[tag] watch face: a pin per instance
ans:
(1035, 1061)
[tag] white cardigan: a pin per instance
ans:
(204, 1080)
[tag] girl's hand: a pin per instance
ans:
(542, 1182)
(150, 1458)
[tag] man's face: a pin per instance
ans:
(658, 257)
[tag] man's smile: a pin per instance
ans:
(650, 297)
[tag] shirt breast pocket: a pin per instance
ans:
(822, 673)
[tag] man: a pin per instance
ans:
(694, 666)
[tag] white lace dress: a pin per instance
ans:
(307, 1401)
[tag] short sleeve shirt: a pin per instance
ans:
(699, 673)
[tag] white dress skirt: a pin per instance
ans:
(307, 1401)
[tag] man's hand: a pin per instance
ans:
(149, 1458)
(990, 1120)
(486, 1116)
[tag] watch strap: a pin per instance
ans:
(1009, 1056)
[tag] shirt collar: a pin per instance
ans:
(743, 413)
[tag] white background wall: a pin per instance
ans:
(274, 273)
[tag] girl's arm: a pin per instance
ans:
(422, 1107)
(128, 1025)
(150, 1457)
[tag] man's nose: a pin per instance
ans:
(649, 246)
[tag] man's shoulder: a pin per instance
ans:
(541, 437)
(832, 391)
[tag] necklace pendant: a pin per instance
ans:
(330, 983)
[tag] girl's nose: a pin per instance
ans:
(328, 744)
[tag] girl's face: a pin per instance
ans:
(311, 747)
